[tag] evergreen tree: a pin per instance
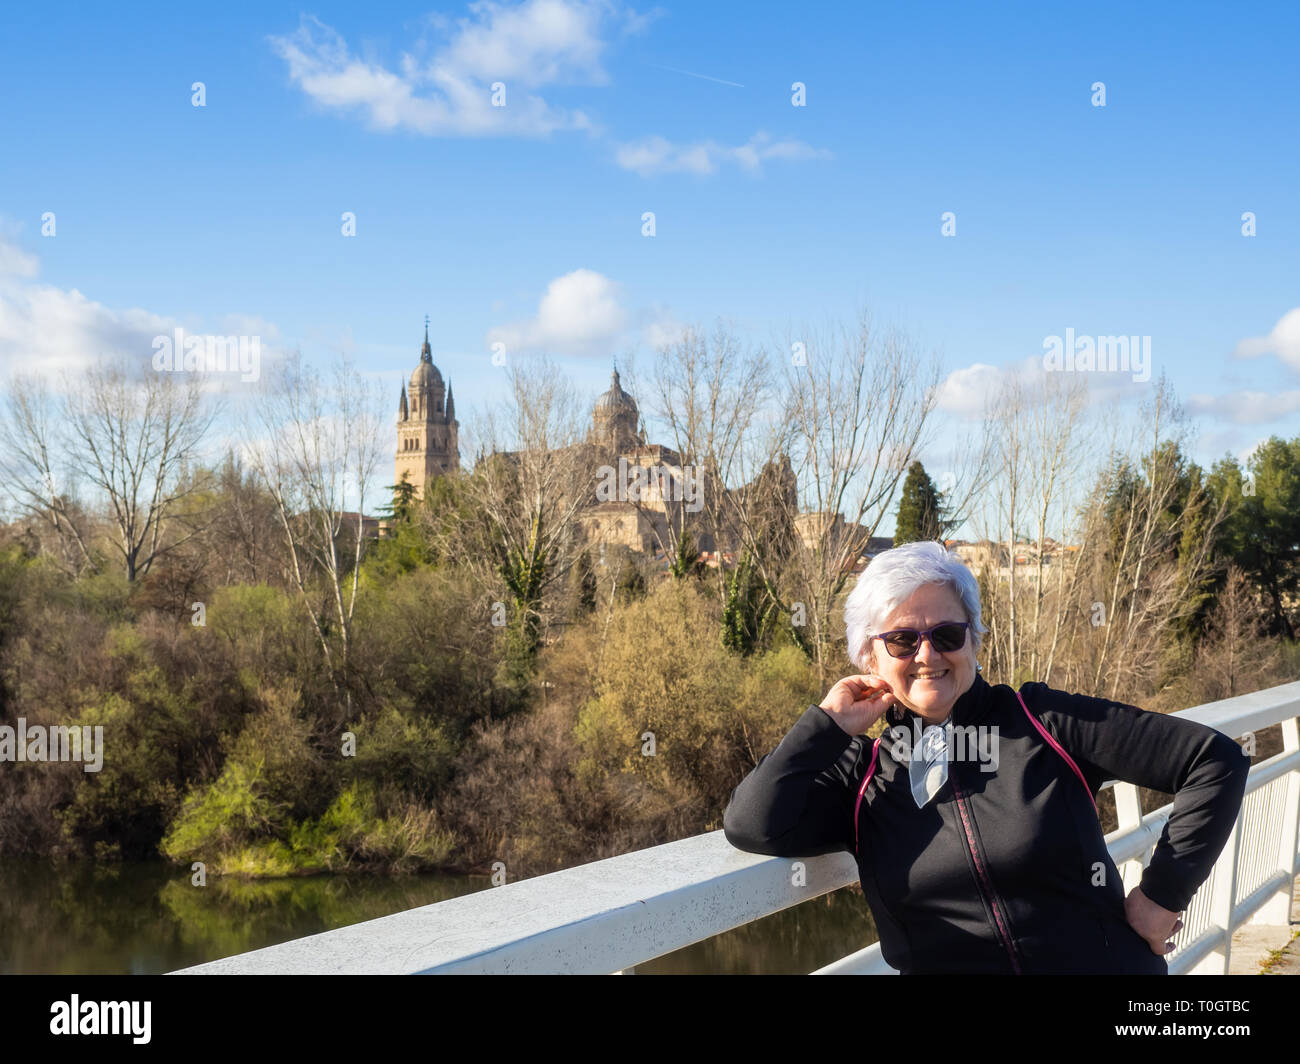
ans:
(1202, 590)
(584, 581)
(920, 511)
(1270, 536)
(403, 500)
(687, 559)
(748, 612)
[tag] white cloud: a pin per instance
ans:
(1213, 443)
(1245, 454)
(250, 325)
(48, 330)
(15, 262)
(529, 46)
(658, 155)
(51, 331)
(1247, 407)
(660, 328)
(964, 391)
(1283, 341)
(580, 314)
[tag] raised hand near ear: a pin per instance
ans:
(857, 702)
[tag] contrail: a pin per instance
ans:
(706, 77)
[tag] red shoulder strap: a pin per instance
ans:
(1060, 750)
(875, 752)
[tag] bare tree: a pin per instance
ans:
(1236, 656)
(708, 392)
(857, 403)
(247, 524)
(1149, 586)
(313, 442)
(1126, 574)
(534, 475)
(35, 469)
(1035, 425)
(131, 439)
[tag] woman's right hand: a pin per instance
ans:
(857, 702)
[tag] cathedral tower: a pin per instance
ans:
(614, 420)
(427, 429)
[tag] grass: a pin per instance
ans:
(1275, 955)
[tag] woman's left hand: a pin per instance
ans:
(1156, 924)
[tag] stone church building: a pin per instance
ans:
(427, 429)
(427, 447)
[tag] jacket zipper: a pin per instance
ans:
(983, 881)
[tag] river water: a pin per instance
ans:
(145, 918)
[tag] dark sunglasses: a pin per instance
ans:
(904, 642)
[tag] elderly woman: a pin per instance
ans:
(973, 819)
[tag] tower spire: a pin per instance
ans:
(426, 353)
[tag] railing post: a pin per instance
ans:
(1225, 893)
(1128, 811)
(1277, 910)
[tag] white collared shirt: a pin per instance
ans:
(928, 767)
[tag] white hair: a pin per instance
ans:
(890, 579)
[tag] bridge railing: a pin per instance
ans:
(610, 915)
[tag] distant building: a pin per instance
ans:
(643, 493)
(616, 446)
(999, 558)
(370, 526)
(819, 528)
(427, 429)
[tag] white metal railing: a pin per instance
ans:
(610, 915)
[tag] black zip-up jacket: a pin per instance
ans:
(1004, 871)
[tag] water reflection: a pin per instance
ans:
(792, 942)
(146, 918)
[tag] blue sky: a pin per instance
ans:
(1122, 219)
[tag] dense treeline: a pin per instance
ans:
(225, 742)
(280, 695)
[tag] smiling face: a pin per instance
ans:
(929, 682)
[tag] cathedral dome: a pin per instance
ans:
(615, 401)
(426, 374)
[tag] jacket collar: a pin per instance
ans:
(971, 707)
